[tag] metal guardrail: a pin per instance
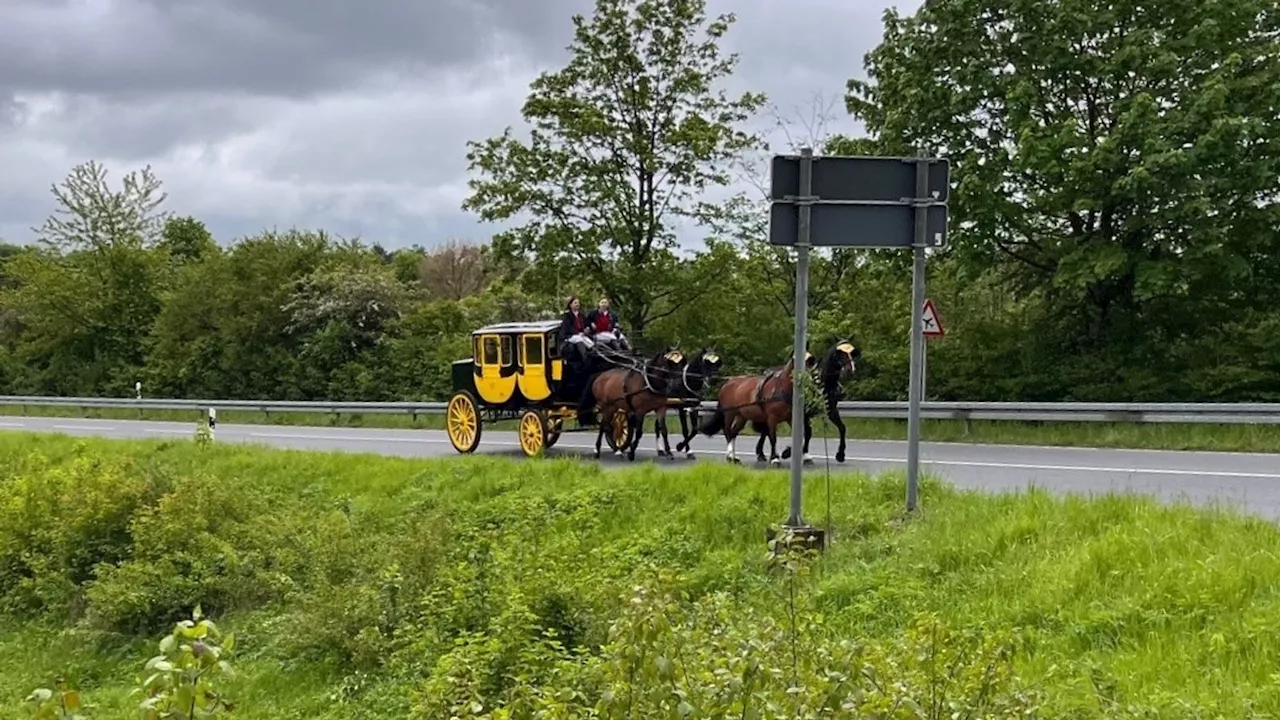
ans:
(1234, 413)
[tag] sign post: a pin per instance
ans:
(857, 201)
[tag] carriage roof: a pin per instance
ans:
(517, 328)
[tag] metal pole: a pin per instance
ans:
(917, 332)
(924, 372)
(802, 320)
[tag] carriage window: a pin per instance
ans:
(475, 350)
(553, 350)
(533, 348)
(490, 350)
(508, 352)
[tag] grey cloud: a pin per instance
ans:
(269, 89)
(277, 47)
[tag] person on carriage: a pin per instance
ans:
(603, 326)
(574, 338)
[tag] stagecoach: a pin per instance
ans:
(515, 372)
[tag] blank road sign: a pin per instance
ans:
(847, 177)
(873, 226)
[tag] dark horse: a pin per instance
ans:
(693, 381)
(836, 365)
(763, 399)
(638, 390)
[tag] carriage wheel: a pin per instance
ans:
(618, 430)
(554, 428)
(533, 432)
(462, 422)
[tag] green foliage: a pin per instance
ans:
(623, 141)
(61, 703)
(1114, 226)
(181, 684)
(58, 523)
(1114, 168)
(391, 588)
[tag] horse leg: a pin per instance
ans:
(635, 431)
(600, 437)
(688, 428)
(808, 435)
(771, 428)
(762, 431)
(660, 433)
(833, 414)
(733, 425)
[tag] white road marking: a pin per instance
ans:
(1075, 468)
(83, 427)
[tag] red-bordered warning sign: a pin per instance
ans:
(932, 324)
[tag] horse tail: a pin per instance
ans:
(713, 424)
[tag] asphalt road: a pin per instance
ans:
(1249, 481)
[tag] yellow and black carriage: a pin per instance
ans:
(516, 372)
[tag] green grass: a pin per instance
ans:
(1151, 436)
(350, 580)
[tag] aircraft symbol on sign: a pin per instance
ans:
(932, 325)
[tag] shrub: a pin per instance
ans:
(59, 523)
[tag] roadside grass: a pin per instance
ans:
(1223, 437)
(376, 587)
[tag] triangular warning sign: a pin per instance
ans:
(932, 325)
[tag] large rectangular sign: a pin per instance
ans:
(859, 178)
(869, 226)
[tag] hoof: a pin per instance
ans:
(840, 456)
(688, 456)
(808, 460)
(761, 458)
(786, 454)
(733, 461)
(775, 461)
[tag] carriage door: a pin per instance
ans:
(533, 368)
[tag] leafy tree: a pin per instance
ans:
(454, 271)
(86, 298)
(186, 239)
(624, 141)
(91, 216)
(1120, 158)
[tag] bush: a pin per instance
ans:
(60, 522)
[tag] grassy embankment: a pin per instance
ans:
(1222, 437)
(374, 587)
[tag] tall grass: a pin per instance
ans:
(362, 586)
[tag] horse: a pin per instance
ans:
(639, 391)
(839, 362)
(764, 399)
(701, 368)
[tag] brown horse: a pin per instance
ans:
(764, 399)
(636, 390)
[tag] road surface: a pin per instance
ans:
(1248, 481)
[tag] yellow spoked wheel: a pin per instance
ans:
(554, 428)
(619, 426)
(462, 422)
(533, 433)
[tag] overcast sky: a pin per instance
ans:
(347, 115)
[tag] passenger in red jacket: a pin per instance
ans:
(602, 324)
